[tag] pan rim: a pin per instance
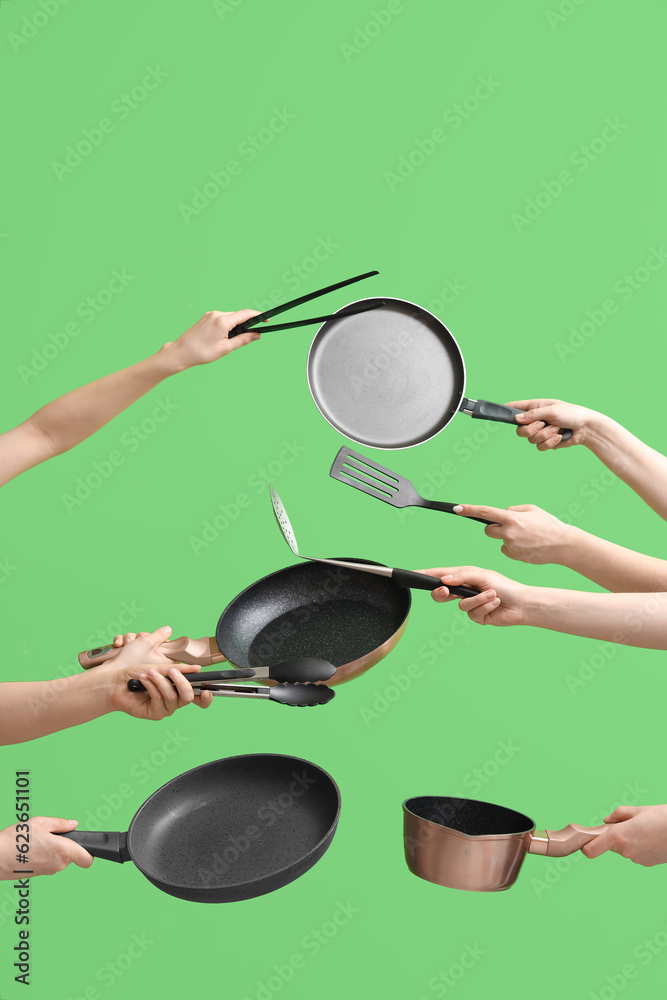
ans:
(367, 444)
(232, 885)
(458, 833)
(301, 562)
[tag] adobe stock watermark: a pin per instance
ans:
(643, 954)
(624, 289)
(555, 868)
(293, 277)
(224, 7)
(121, 108)
(38, 19)
(401, 682)
(433, 482)
(454, 117)
(7, 569)
(390, 351)
(563, 12)
(445, 980)
(247, 151)
(581, 159)
(130, 442)
(364, 34)
(257, 483)
(87, 310)
(311, 944)
(108, 974)
(451, 290)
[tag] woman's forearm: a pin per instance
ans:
(31, 709)
(637, 464)
(612, 566)
(629, 619)
(78, 414)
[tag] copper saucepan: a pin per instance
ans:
(478, 846)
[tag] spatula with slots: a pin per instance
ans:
(364, 474)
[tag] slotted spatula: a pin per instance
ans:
(402, 577)
(364, 474)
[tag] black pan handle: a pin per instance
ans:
(419, 581)
(482, 409)
(301, 694)
(109, 846)
(134, 684)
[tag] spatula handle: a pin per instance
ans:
(448, 508)
(420, 581)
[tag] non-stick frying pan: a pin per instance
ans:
(466, 844)
(350, 618)
(229, 830)
(392, 377)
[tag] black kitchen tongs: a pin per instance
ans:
(250, 323)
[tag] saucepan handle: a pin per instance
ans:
(560, 843)
(109, 846)
(482, 409)
(199, 652)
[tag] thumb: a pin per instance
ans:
(599, 845)
(160, 635)
(622, 813)
(57, 825)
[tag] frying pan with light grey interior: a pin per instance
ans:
(392, 377)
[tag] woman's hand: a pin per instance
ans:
(542, 419)
(140, 657)
(47, 852)
(500, 602)
(208, 339)
(528, 533)
(635, 832)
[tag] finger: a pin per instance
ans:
(496, 514)
(129, 637)
(183, 687)
(155, 706)
(544, 413)
(529, 429)
(159, 635)
(622, 813)
(542, 434)
(599, 845)
(524, 507)
(506, 552)
(204, 699)
(142, 635)
(479, 614)
(441, 594)
(78, 855)
(166, 689)
(550, 443)
(494, 531)
(242, 339)
(57, 825)
(469, 604)
(118, 640)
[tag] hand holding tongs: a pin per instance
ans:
(294, 685)
(249, 324)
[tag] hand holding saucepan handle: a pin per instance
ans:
(198, 652)
(561, 843)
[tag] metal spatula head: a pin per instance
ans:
(284, 522)
(376, 480)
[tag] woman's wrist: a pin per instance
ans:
(600, 432)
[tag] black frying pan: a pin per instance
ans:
(393, 377)
(311, 609)
(350, 618)
(229, 830)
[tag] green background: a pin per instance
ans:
(356, 113)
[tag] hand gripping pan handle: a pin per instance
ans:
(482, 409)
(202, 652)
(560, 843)
(420, 581)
